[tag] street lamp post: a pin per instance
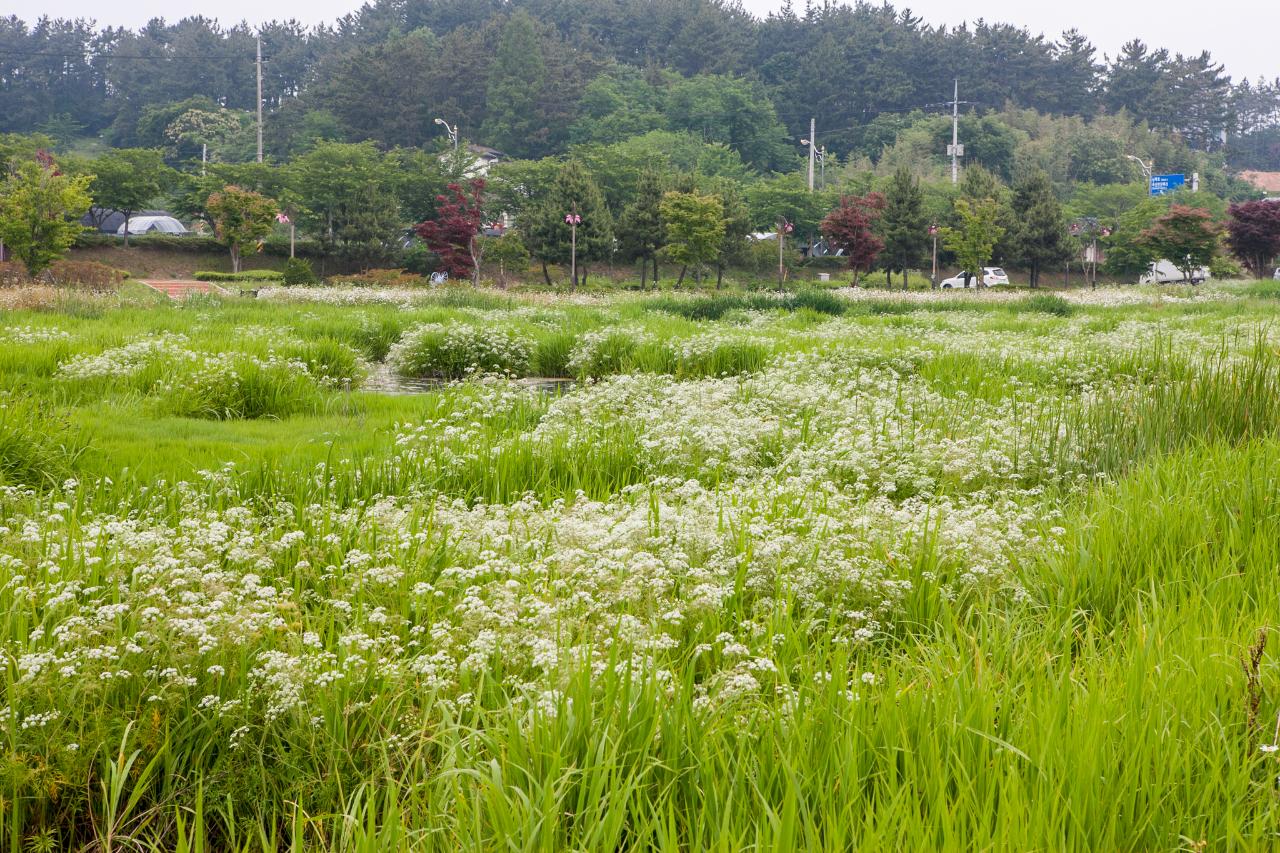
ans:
(452, 130)
(283, 218)
(784, 228)
(573, 220)
(933, 276)
(1146, 170)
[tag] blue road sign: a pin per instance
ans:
(1161, 184)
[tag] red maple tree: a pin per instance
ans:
(848, 228)
(452, 233)
(1253, 233)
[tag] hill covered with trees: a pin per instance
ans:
(532, 77)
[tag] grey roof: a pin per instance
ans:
(114, 219)
(162, 224)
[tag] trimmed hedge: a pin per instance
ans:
(195, 243)
(245, 275)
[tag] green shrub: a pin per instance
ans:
(243, 275)
(297, 271)
(1225, 266)
(380, 278)
(85, 275)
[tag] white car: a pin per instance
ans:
(990, 276)
(1277, 275)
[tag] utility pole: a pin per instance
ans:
(813, 149)
(259, 99)
(955, 150)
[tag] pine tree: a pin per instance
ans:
(903, 225)
(548, 235)
(1039, 235)
(640, 226)
(737, 225)
(516, 82)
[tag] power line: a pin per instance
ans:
(130, 56)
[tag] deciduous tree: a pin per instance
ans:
(1186, 236)
(508, 252)
(1253, 234)
(240, 218)
(39, 207)
(694, 226)
(453, 232)
(850, 228)
(126, 180)
(973, 241)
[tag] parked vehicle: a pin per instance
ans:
(1164, 272)
(990, 276)
(1277, 274)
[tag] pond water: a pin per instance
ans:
(383, 380)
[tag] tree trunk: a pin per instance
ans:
(546, 274)
(584, 276)
(644, 269)
(655, 272)
(906, 281)
(719, 275)
(126, 229)
(888, 279)
(235, 259)
(680, 280)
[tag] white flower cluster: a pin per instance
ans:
(456, 349)
(33, 335)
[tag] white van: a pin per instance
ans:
(1164, 272)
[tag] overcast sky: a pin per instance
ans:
(1242, 34)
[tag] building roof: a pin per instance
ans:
(1268, 182)
(160, 224)
(114, 219)
(485, 152)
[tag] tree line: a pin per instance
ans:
(533, 77)
(407, 207)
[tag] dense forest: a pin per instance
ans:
(533, 77)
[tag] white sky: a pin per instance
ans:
(1242, 34)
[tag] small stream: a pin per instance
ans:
(383, 380)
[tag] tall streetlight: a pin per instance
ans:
(820, 155)
(573, 220)
(1146, 170)
(452, 130)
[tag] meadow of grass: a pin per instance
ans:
(812, 571)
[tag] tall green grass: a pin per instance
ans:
(38, 446)
(1103, 696)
